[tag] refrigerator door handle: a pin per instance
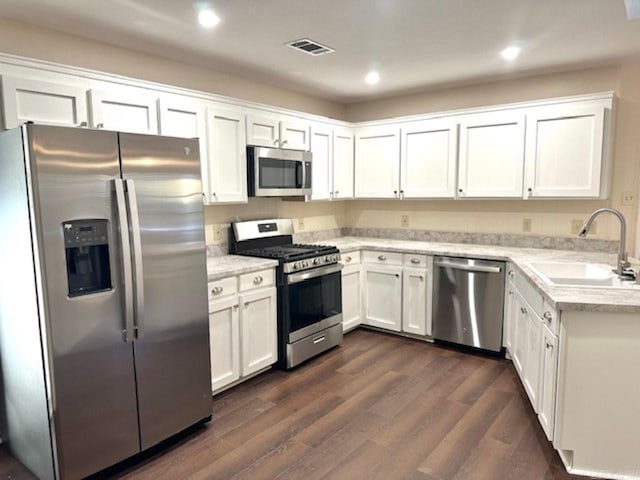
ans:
(125, 247)
(132, 202)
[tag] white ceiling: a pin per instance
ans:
(415, 44)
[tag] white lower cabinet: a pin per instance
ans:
(548, 379)
(351, 297)
(383, 296)
(531, 366)
(242, 327)
(414, 301)
(519, 333)
(224, 335)
(258, 329)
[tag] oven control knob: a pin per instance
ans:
(296, 266)
(304, 264)
(316, 261)
(328, 258)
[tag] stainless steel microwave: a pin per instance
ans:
(274, 172)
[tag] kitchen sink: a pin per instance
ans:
(579, 274)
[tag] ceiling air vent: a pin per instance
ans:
(309, 46)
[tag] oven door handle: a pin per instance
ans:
(316, 272)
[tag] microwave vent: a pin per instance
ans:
(309, 46)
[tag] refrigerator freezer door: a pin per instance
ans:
(172, 345)
(94, 396)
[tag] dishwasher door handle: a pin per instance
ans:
(468, 268)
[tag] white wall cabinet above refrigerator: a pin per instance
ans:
(565, 152)
(332, 163)
(43, 102)
(132, 110)
(274, 132)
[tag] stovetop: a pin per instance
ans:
(294, 251)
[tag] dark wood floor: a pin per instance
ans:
(378, 407)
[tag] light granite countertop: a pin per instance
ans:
(600, 299)
(229, 265)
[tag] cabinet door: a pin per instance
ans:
(124, 110)
(548, 371)
(564, 151)
(383, 294)
(377, 162)
(227, 156)
(531, 366)
(428, 155)
(414, 301)
(322, 160)
(42, 102)
(519, 335)
(343, 158)
(181, 117)
(294, 134)
(224, 336)
(351, 297)
(263, 131)
(491, 155)
(258, 330)
(509, 319)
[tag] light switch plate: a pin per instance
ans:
(628, 198)
(217, 233)
(301, 224)
(526, 225)
(404, 221)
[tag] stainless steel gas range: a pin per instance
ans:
(309, 285)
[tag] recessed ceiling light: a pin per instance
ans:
(372, 78)
(510, 53)
(207, 18)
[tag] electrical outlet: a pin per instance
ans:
(576, 225)
(526, 225)
(404, 221)
(301, 224)
(628, 198)
(217, 233)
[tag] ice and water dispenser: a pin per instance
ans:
(87, 251)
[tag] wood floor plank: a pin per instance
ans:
(360, 462)
(477, 382)
(512, 423)
(488, 458)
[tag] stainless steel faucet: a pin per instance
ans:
(623, 263)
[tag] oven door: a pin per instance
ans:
(281, 172)
(314, 301)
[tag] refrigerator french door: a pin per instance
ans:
(117, 245)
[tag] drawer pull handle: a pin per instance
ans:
(382, 258)
(347, 259)
(523, 310)
(397, 275)
(511, 273)
(319, 339)
(415, 261)
(258, 280)
(421, 278)
(246, 304)
(549, 346)
(217, 290)
(547, 316)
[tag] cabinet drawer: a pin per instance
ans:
(222, 288)
(529, 293)
(351, 258)
(262, 278)
(550, 317)
(382, 258)
(416, 261)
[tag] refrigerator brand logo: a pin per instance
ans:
(187, 150)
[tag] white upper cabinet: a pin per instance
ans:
(322, 162)
(428, 156)
(491, 160)
(377, 162)
(132, 110)
(565, 151)
(272, 132)
(332, 162)
(180, 117)
(227, 156)
(42, 102)
(343, 158)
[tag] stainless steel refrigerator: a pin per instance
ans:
(104, 338)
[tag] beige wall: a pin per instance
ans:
(548, 217)
(43, 44)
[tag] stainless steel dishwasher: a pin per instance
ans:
(468, 302)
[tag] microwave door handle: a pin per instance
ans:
(125, 253)
(300, 174)
(132, 203)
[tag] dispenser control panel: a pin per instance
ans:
(85, 233)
